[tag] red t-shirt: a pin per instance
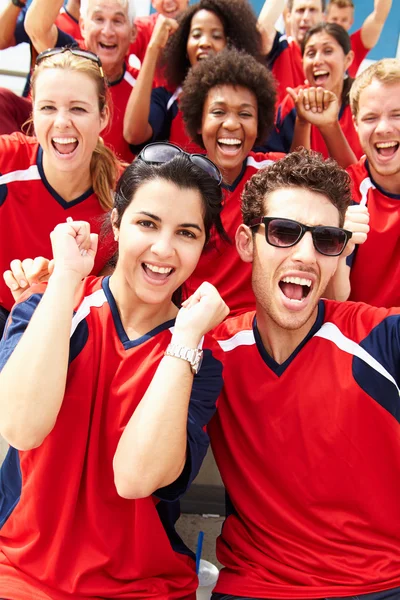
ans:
(360, 52)
(309, 453)
(30, 209)
(375, 265)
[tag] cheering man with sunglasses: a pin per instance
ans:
(306, 435)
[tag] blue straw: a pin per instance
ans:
(199, 548)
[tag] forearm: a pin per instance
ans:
(152, 450)
(270, 12)
(301, 135)
(8, 21)
(136, 120)
(373, 24)
(337, 145)
(40, 23)
(32, 383)
(339, 286)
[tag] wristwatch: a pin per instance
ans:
(18, 3)
(194, 356)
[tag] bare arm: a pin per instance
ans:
(151, 453)
(270, 12)
(372, 27)
(35, 380)
(137, 128)
(40, 23)
(8, 21)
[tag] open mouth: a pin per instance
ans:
(107, 47)
(320, 77)
(157, 273)
(203, 55)
(387, 149)
(230, 145)
(64, 145)
(295, 289)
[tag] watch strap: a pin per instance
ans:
(18, 3)
(192, 355)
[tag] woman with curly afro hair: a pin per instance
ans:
(204, 29)
(228, 105)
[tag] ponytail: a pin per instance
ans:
(105, 170)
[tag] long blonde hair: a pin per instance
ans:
(105, 168)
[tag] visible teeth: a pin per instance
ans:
(158, 269)
(386, 144)
(229, 141)
(318, 73)
(65, 140)
(297, 280)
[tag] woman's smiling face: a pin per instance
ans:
(229, 127)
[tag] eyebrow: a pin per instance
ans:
(70, 102)
(119, 13)
(223, 102)
(147, 214)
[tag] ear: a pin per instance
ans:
(114, 218)
(348, 59)
(104, 118)
(355, 123)
(244, 243)
(82, 26)
(133, 33)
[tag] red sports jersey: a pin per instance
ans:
(360, 52)
(375, 265)
(144, 29)
(285, 124)
(66, 22)
(30, 209)
(65, 533)
(286, 64)
(167, 122)
(309, 452)
(220, 263)
(113, 135)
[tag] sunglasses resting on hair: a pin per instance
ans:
(158, 153)
(284, 233)
(75, 51)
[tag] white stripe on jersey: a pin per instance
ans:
(174, 97)
(241, 338)
(252, 162)
(130, 78)
(365, 186)
(97, 299)
(331, 332)
(24, 175)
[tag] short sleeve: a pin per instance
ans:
(18, 321)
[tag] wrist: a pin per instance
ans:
(69, 279)
(186, 338)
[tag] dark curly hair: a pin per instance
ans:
(338, 33)
(228, 67)
(301, 169)
(240, 27)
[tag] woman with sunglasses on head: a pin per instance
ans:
(107, 426)
(204, 29)
(318, 116)
(65, 171)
